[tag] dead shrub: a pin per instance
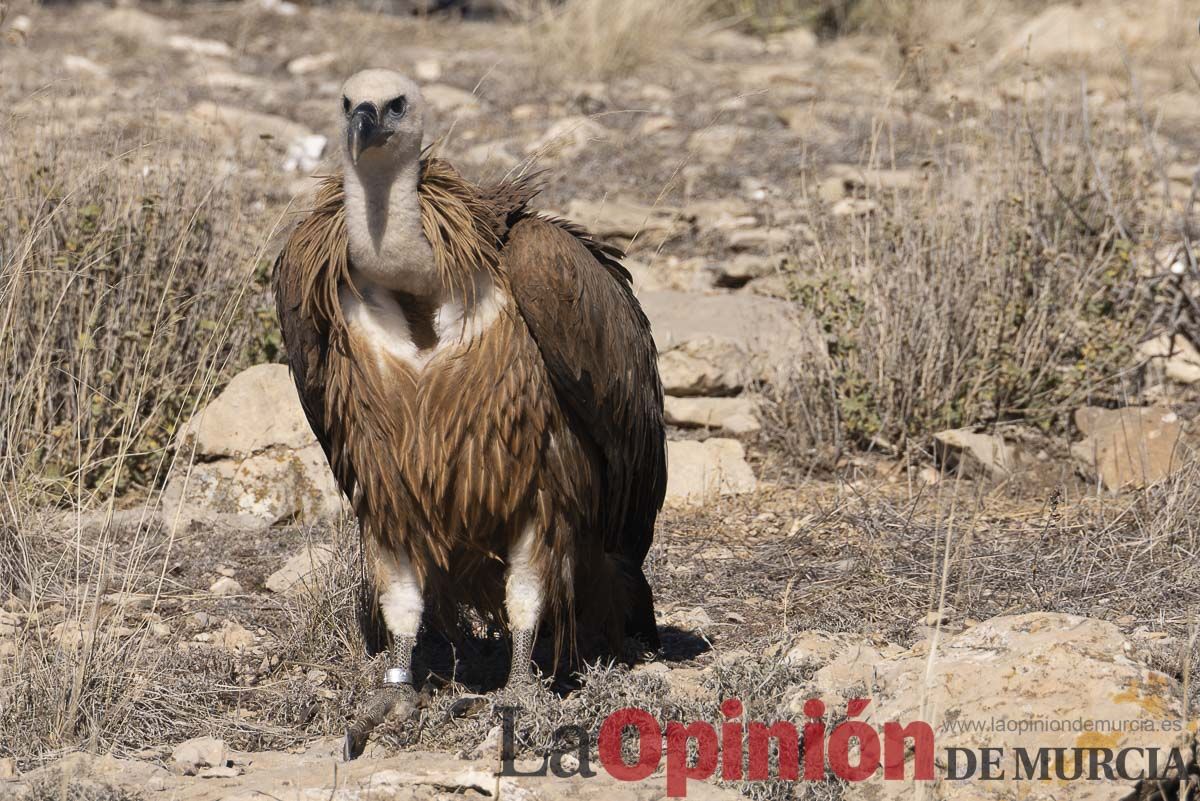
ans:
(129, 287)
(1013, 285)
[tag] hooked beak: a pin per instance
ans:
(364, 131)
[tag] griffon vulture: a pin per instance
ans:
(485, 387)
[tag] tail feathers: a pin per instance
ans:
(639, 614)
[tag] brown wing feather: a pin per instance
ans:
(306, 277)
(595, 340)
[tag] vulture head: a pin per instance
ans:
(384, 119)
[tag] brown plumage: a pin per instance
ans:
(550, 418)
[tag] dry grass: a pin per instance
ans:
(605, 39)
(129, 290)
(1013, 284)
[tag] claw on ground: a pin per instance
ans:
(381, 705)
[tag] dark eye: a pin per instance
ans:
(346, 105)
(398, 106)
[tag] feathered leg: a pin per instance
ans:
(402, 603)
(524, 597)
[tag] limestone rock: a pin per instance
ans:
(130, 23)
(656, 124)
(258, 491)
(724, 214)
(307, 65)
(233, 636)
(225, 586)
(1178, 359)
(258, 409)
(569, 137)
(696, 471)
(304, 154)
(717, 141)
(816, 647)
(735, 415)
(81, 65)
(208, 48)
(703, 366)
(761, 239)
(248, 129)
(747, 336)
(1042, 666)
(490, 154)
(194, 755)
(854, 207)
(300, 569)
(1128, 448)
(974, 453)
(617, 218)
(450, 99)
(743, 268)
(1062, 31)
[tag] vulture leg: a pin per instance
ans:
(402, 604)
(523, 599)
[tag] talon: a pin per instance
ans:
(384, 703)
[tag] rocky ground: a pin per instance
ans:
(193, 638)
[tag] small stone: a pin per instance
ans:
(491, 154)
(193, 756)
(737, 415)
(973, 452)
(1177, 357)
(569, 137)
(306, 65)
(83, 66)
(935, 618)
(304, 153)
(717, 141)
(769, 239)
(220, 772)
(704, 366)
(209, 48)
(427, 70)
(816, 648)
(697, 471)
(233, 636)
(656, 124)
(225, 586)
(73, 634)
(300, 569)
(695, 619)
(854, 207)
(450, 99)
(745, 267)
(616, 217)
(8, 768)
